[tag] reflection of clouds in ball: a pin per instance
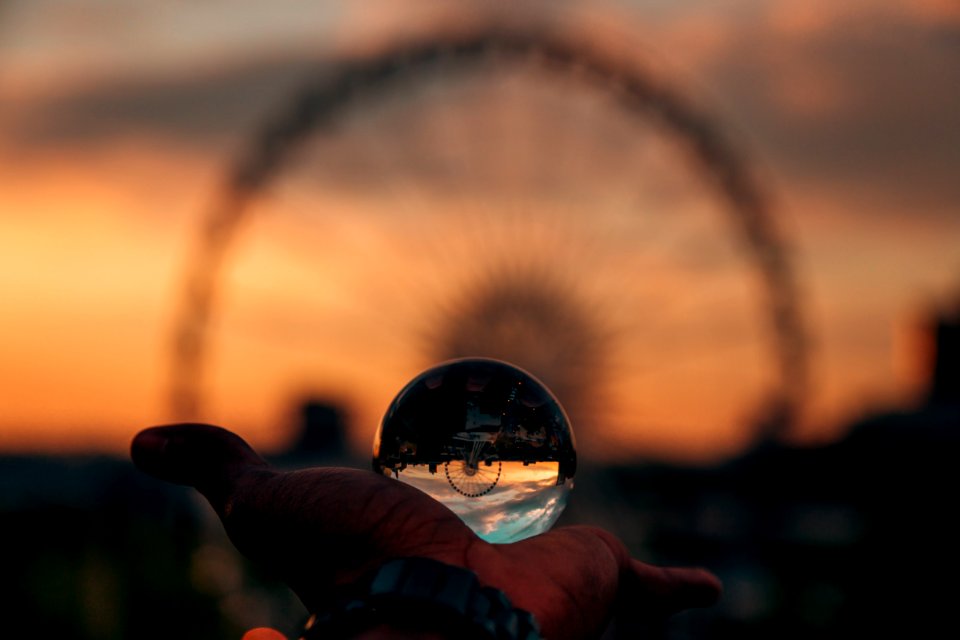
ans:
(525, 502)
(522, 517)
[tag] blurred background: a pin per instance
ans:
(727, 238)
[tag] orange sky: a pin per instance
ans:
(104, 175)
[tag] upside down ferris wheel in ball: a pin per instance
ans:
(504, 193)
(470, 472)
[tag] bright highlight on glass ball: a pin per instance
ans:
(486, 439)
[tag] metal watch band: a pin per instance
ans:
(420, 594)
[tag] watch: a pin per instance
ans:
(420, 594)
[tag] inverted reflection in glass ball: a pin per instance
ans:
(485, 438)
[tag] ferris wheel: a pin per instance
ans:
(509, 193)
(470, 472)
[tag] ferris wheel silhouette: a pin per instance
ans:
(505, 160)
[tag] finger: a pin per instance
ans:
(672, 589)
(203, 456)
(663, 589)
(263, 633)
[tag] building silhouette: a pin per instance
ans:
(851, 539)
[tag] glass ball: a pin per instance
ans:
(485, 438)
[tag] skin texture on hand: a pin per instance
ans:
(323, 529)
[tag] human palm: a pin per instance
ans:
(323, 529)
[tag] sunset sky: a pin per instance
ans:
(119, 119)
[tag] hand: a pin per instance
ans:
(323, 529)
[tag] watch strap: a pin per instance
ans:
(420, 594)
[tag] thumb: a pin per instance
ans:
(203, 456)
(664, 590)
(673, 589)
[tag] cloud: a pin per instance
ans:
(859, 93)
(189, 108)
(867, 97)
